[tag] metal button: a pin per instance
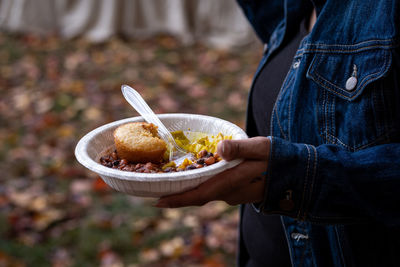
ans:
(298, 236)
(296, 64)
(265, 48)
(351, 83)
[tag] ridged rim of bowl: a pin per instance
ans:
(83, 157)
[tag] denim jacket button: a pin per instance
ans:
(265, 48)
(351, 83)
(298, 236)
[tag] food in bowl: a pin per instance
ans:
(139, 149)
(139, 142)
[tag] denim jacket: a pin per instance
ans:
(334, 170)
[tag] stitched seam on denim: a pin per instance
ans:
(322, 80)
(346, 51)
(289, 111)
(363, 42)
(377, 74)
(337, 140)
(278, 100)
(385, 136)
(325, 128)
(382, 137)
(333, 123)
(321, 118)
(278, 122)
(332, 84)
(327, 120)
(275, 109)
(331, 126)
(273, 115)
(305, 183)
(322, 130)
(392, 42)
(340, 245)
(271, 127)
(314, 175)
(320, 108)
(324, 115)
(286, 83)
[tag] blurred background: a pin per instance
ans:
(62, 63)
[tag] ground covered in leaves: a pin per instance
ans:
(54, 212)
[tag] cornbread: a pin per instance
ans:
(139, 142)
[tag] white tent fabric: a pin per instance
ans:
(216, 22)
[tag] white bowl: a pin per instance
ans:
(100, 141)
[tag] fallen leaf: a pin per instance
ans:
(100, 186)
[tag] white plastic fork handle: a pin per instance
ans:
(138, 103)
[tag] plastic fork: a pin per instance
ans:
(176, 153)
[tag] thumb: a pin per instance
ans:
(251, 148)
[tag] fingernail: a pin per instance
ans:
(224, 148)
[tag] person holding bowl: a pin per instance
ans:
(320, 184)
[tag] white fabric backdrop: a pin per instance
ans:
(216, 22)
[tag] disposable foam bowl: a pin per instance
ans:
(100, 141)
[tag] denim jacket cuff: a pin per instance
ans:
(290, 178)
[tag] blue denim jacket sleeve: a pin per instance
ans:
(328, 184)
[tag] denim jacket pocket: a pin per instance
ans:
(346, 74)
(354, 98)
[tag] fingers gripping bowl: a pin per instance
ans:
(100, 141)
